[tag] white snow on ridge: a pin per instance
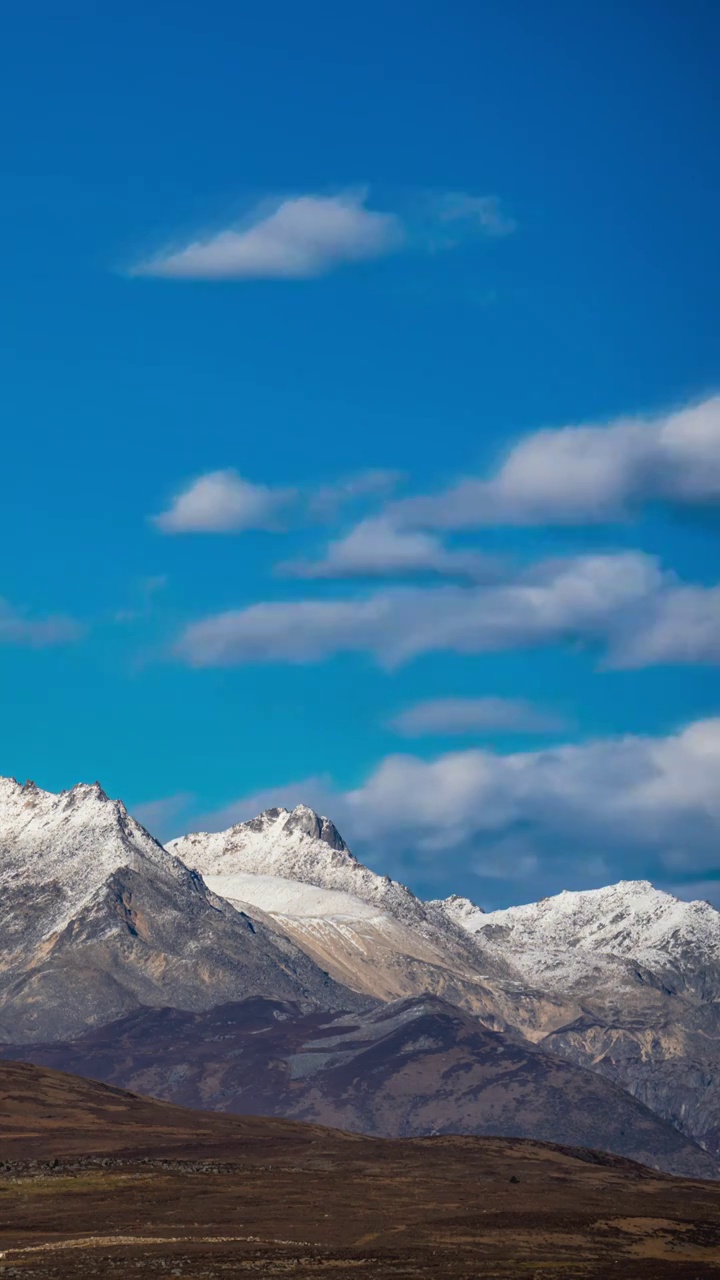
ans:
(73, 841)
(366, 930)
(298, 846)
(593, 935)
(596, 933)
(290, 898)
(294, 866)
(625, 918)
(461, 911)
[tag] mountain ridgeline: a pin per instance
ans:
(264, 969)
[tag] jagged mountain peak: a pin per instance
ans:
(10, 786)
(462, 911)
(293, 845)
(57, 849)
(301, 820)
(29, 813)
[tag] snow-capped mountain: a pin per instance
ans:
(97, 918)
(367, 930)
(56, 851)
(632, 920)
(623, 980)
(642, 970)
(297, 845)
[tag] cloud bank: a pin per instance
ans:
(565, 816)
(625, 605)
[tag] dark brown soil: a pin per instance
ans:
(100, 1184)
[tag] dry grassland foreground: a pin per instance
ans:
(340, 1208)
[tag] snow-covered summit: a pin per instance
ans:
(461, 911)
(368, 931)
(567, 936)
(298, 845)
(67, 845)
(628, 918)
(273, 843)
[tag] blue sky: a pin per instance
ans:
(347, 264)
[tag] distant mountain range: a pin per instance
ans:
(264, 968)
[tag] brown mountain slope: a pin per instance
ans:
(47, 1114)
(266, 1197)
(411, 1068)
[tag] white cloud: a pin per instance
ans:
(565, 816)
(223, 502)
(653, 794)
(474, 715)
(681, 624)
(302, 237)
(583, 474)
(375, 548)
(624, 604)
(36, 633)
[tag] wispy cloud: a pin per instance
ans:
(145, 591)
(484, 213)
(623, 604)
(586, 474)
(224, 502)
(16, 627)
(375, 548)
(305, 236)
(475, 715)
(163, 817)
(300, 238)
(327, 501)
